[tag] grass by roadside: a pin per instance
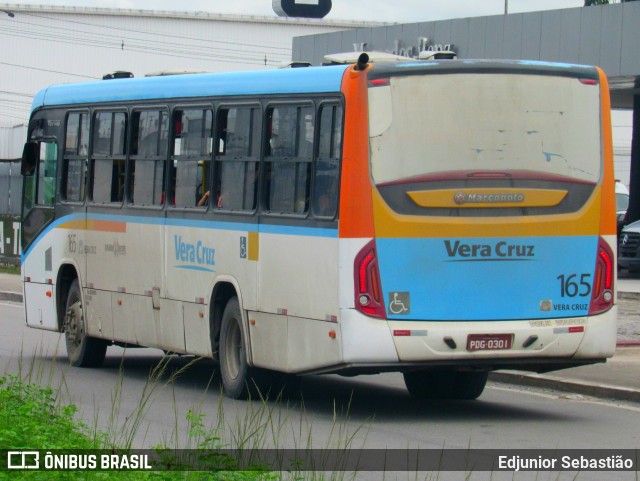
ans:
(31, 418)
(9, 269)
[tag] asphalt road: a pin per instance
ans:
(331, 411)
(629, 319)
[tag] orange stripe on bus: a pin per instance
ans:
(96, 225)
(253, 253)
(356, 204)
(504, 198)
(607, 213)
(75, 225)
(107, 226)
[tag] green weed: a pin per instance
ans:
(9, 269)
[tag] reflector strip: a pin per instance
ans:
(379, 82)
(568, 330)
(408, 332)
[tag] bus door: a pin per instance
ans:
(39, 164)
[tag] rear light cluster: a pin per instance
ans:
(379, 82)
(602, 297)
(368, 290)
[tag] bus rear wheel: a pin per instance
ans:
(445, 384)
(469, 385)
(234, 369)
(239, 380)
(430, 384)
(83, 350)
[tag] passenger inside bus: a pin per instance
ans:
(204, 200)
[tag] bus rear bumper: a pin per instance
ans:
(536, 345)
(577, 337)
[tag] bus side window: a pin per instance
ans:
(147, 159)
(108, 157)
(192, 143)
(290, 155)
(74, 164)
(327, 167)
(237, 160)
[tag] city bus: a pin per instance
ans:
(441, 219)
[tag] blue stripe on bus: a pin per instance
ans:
(56, 223)
(298, 231)
(278, 81)
(194, 268)
(200, 224)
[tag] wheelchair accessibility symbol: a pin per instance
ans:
(399, 303)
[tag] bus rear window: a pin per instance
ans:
(423, 125)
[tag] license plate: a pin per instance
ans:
(489, 342)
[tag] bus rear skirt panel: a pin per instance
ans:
(547, 338)
(561, 337)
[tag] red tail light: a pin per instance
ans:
(379, 82)
(602, 296)
(368, 290)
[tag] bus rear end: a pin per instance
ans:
(491, 241)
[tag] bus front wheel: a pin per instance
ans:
(83, 350)
(234, 369)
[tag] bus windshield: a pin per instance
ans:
(437, 124)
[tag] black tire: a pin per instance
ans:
(234, 370)
(83, 350)
(239, 380)
(469, 385)
(430, 384)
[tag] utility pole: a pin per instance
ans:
(506, 7)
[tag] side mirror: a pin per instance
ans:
(30, 155)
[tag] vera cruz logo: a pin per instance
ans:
(194, 256)
(498, 251)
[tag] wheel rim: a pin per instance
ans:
(233, 348)
(74, 326)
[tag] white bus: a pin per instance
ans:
(442, 219)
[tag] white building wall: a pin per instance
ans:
(49, 45)
(622, 123)
(12, 142)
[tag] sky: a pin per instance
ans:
(357, 10)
